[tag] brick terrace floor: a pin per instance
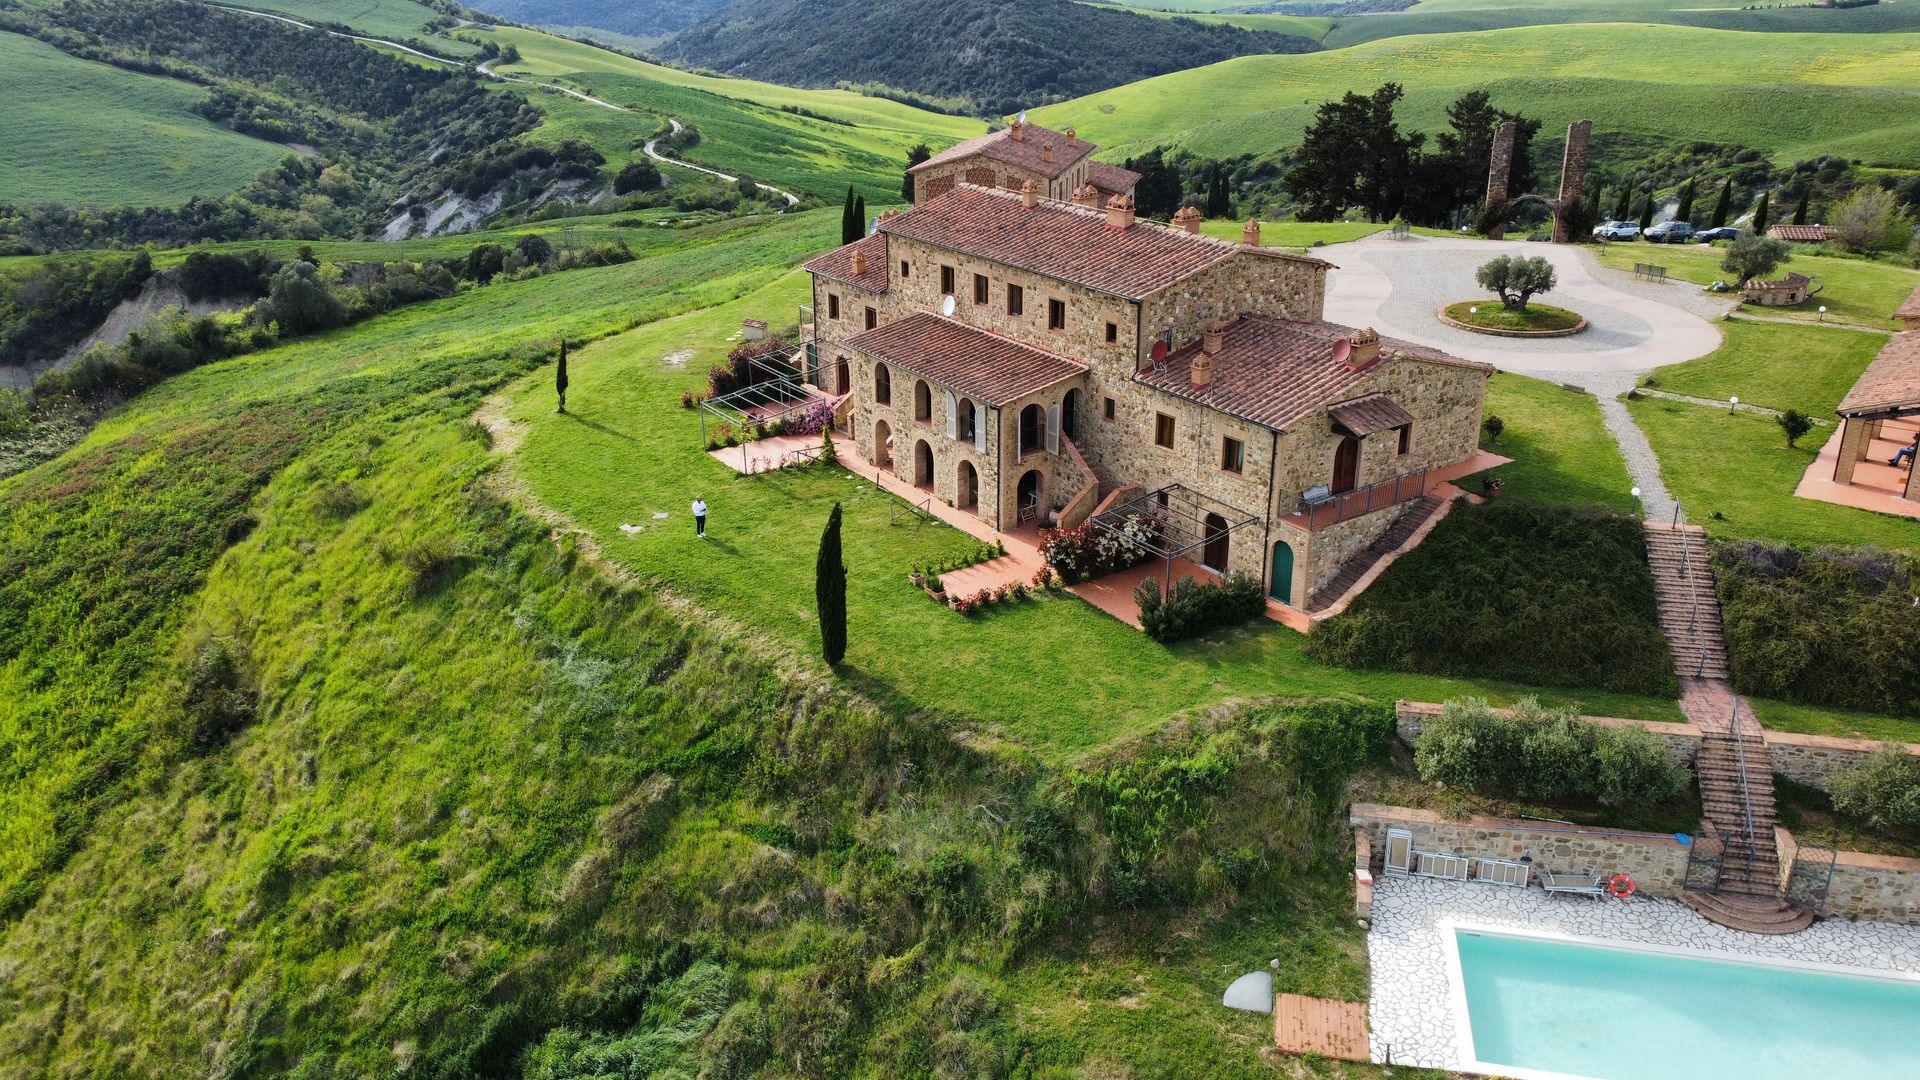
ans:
(1876, 485)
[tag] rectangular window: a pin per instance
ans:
(873, 318)
(1163, 430)
(1233, 455)
(833, 306)
(1113, 333)
(1109, 408)
(1056, 314)
(979, 288)
(946, 281)
(1406, 437)
(1016, 300)
(905, 270)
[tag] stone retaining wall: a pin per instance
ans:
(1882, 887)
(1656, 862)
(1682, 740)
(1811, 759)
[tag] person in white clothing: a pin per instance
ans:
(700, 518)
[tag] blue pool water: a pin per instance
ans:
(1622, 1014)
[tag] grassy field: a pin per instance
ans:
(1450, 16)
(1848, 95)
(1809, 368)
(1301, 235)
(398, 20)
(91, 134)
(1306, 26)
(1735, 475)
(1854, 290)
(1559, 445)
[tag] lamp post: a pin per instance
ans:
(1823, 313)
(1638, 512)
(1732, 404)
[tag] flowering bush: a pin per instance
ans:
(1084, 551)
(740, 372)
(811, 420)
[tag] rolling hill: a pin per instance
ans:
(90, 134)
(991, 56)
(1792, 95)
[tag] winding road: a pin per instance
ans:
(485, 69)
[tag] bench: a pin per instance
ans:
(1401, 230)
(1650, 272)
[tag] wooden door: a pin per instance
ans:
(1346, 465)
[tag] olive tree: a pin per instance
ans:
(1515, 278)
(1871, 219)
(1754, 256)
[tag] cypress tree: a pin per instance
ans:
(859, 216)
(1593, 212)
(1624, 205)
(1725, 202)
(1760, 215)
(1684, 212)
(915, 156)
(560, 376)
(849, 224)
(1646, 212)
(830, 592)
(1800, 211)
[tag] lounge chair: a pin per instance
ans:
(1573, 884)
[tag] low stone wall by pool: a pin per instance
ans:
(1885, 888)
(1812, 759)
(1656, 862)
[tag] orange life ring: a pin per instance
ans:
(1615, 886)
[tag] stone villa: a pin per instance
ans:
(1034, 359)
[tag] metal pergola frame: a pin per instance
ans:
(1178, 515)
(783, 392)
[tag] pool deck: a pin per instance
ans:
(1412, 1008)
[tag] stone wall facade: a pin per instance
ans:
(1862, 886)
(1811, 760)
(1681, 740)
(1247, 282)
(983, 171)
(1657, 863)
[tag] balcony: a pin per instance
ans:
(1320, 508)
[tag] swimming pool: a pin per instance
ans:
(1555, 1006)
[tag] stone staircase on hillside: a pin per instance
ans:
(1735, 778)
(1416, 515)
(1689, 607)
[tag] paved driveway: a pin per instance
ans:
(1397, 286)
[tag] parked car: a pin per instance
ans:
(1669, 232)
(1724, 232)
(1618, 230)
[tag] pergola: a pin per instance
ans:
(776, 388)
(1178, 519)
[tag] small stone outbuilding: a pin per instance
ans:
(1784, 292)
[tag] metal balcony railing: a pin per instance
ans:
(1317, 511)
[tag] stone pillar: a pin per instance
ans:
(1913, 484)
(1573, 177)
(1499, 175)
(1854, 443)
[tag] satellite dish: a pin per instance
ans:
(1159, 351)
(873, 226)
(1341, 350)
(1023, 116)
(946, 306)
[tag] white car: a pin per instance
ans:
(1617, 230)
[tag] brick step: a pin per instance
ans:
(1753, 915)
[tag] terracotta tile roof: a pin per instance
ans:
(1805, 234)
(838, 263)
(1028, 151)
(1363, 416)
(1276, 372)
(1890, 382)
(967, 360)
(1910, 309)
(1111, 179)
(1066, 242)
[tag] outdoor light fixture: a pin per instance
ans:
(1732, 404)
(1475, 310)
(1636, 498)
(1823, 313)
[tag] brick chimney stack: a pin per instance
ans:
(1029, 194)
(1187, 219)
(1366, 348)
(1017, 130)
(1250, 234)
(1120, 213)
(859, 262)
(1200, 370)
(1046, 153)
(1087, 195)
(1072, 136)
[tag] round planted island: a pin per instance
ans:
(1491, 317)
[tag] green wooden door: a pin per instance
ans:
(1281, 581)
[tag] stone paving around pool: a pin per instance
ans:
(1412, 1003)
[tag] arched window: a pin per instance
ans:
(882, 385)
(1033, 424)
(966, 429)
(922, 401)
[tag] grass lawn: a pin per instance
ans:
(1842, 94)
(626, 450)
(1809, 368)
(395, 19)
(1558, 442)
(1735, 475)
(90, 134)
(1856, 290)
(1492, 315)
(1302, 235)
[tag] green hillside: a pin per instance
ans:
(1451, 16)
(90, 134)
(1794, 95)
(397, 20)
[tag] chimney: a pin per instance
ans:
(1213, 337)
(1120, 213)
(1046, 153)
(859, 263)
(1200, 369)
(1087, 195)
(1017, 130)
(1187, 219)
(1029, 194)
(1071, 136)
(1366, 348)
(1250, 234)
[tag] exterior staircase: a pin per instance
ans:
(1416, 515)
(1689, 607)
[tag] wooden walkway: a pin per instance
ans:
(1334, 1029)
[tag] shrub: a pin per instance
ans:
(1882, 790)
(299, 301)
(218, 699)
(1532, 752)
(1493, 427)
(1869, 220)
(1084, 551)
(1795, 424)
(13, 414)
(1754, 255)
(1192, 609)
